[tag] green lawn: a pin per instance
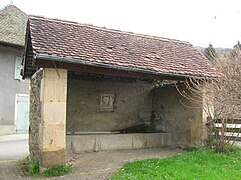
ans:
(197, 164)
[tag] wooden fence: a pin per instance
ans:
(232, 128)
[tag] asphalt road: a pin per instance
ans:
(13, 149)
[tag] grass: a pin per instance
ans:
(197, 164)
(30, 168)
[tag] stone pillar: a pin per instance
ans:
(198, 127)
(52, 129)
(206, 107)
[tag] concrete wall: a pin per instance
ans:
(132, 105)
(179, 116)
(8, 88)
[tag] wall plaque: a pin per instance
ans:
(107, 102)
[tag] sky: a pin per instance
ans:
(199, 22)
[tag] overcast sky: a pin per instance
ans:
(199, 22)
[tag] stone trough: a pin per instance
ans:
(100, 141)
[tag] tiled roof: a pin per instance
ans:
(110, 48)
(13, 25)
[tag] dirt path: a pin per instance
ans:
(95, 165)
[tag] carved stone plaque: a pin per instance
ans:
(107, 102)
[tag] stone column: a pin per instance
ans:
(52, 129)
(198, 127)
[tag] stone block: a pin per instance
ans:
(53, 136)
(138, 141)
(81, 143)
(52, 158)
(53, 90)
(153, 140)
(54, 112)
(55, 73)
(114, 141)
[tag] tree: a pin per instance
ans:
(221, 99)
(210, 53)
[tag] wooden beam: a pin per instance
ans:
(100, 70)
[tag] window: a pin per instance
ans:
(18, 67)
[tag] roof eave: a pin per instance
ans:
(13, 45)
(109, 66)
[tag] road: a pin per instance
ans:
(13, 149)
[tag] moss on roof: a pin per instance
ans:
(12, 25)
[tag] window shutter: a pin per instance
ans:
(17, 71)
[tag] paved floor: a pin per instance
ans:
(102, 165)
(95, 165)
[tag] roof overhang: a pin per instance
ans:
(50, 61)
(7, 44)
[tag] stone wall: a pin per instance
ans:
(35, 116)
(179, 116)
(132, 105)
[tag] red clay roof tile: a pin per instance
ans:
(105, 46)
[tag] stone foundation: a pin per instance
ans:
(52, 158)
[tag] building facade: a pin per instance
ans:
(14, 91)
(94, 89)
